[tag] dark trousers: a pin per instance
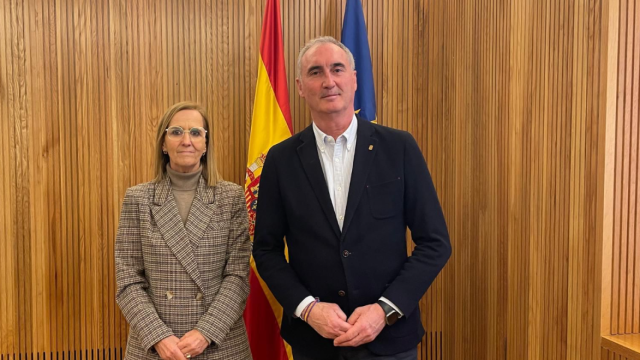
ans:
(361, 353)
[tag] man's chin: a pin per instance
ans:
(331, 111)
(332, 106)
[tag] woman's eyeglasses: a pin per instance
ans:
(195, 133)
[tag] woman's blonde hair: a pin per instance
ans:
(208, 161)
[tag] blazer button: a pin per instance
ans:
(169, 295)
(342, 293)
(346, 253)
(199, 296)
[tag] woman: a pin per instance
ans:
(182, 250)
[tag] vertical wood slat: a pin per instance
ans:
(609, 179)
(634, 287)
(7, 211)
(499, 94)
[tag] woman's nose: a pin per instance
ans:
(186, 140)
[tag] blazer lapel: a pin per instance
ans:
(362, 161)
(200, 213)
(165, 213)
(308, 153)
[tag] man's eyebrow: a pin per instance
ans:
(333, 66)
(313, 68)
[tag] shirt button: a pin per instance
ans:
(342, 293)
(341, 217)
(346, 253)
(339, 188)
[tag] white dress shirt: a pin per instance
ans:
(337, 164)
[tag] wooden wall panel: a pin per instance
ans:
(624, 347)
(612, 355)
(620, 314)
(625, 306)
(505, 98)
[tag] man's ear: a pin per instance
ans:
(299, 85)
(355, 78)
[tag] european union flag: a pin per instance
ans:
(354, 36)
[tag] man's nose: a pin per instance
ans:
(329, 81)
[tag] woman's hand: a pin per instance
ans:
(192, 343)
(168, 349)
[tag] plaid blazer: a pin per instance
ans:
(173, 278)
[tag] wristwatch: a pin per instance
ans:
(391, 314)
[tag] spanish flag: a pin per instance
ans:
(270, 124)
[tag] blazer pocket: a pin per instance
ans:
(386, 198)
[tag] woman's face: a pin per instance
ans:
(185, 141)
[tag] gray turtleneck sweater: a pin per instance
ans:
(184, 188)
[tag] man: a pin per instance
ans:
(342, 193)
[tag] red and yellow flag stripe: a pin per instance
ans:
(270, 124)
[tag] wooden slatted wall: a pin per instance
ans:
(608, 355)
(620, 325)
(624, 347)
(625, 263)
(503, 96)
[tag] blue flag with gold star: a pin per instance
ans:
(354, 36)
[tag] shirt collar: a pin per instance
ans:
(349, 134)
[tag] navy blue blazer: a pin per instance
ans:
(391, 189)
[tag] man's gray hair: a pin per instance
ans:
(319, 41)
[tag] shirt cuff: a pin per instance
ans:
(392, 305)
(303, 304)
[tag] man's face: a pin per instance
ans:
(327, 82)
